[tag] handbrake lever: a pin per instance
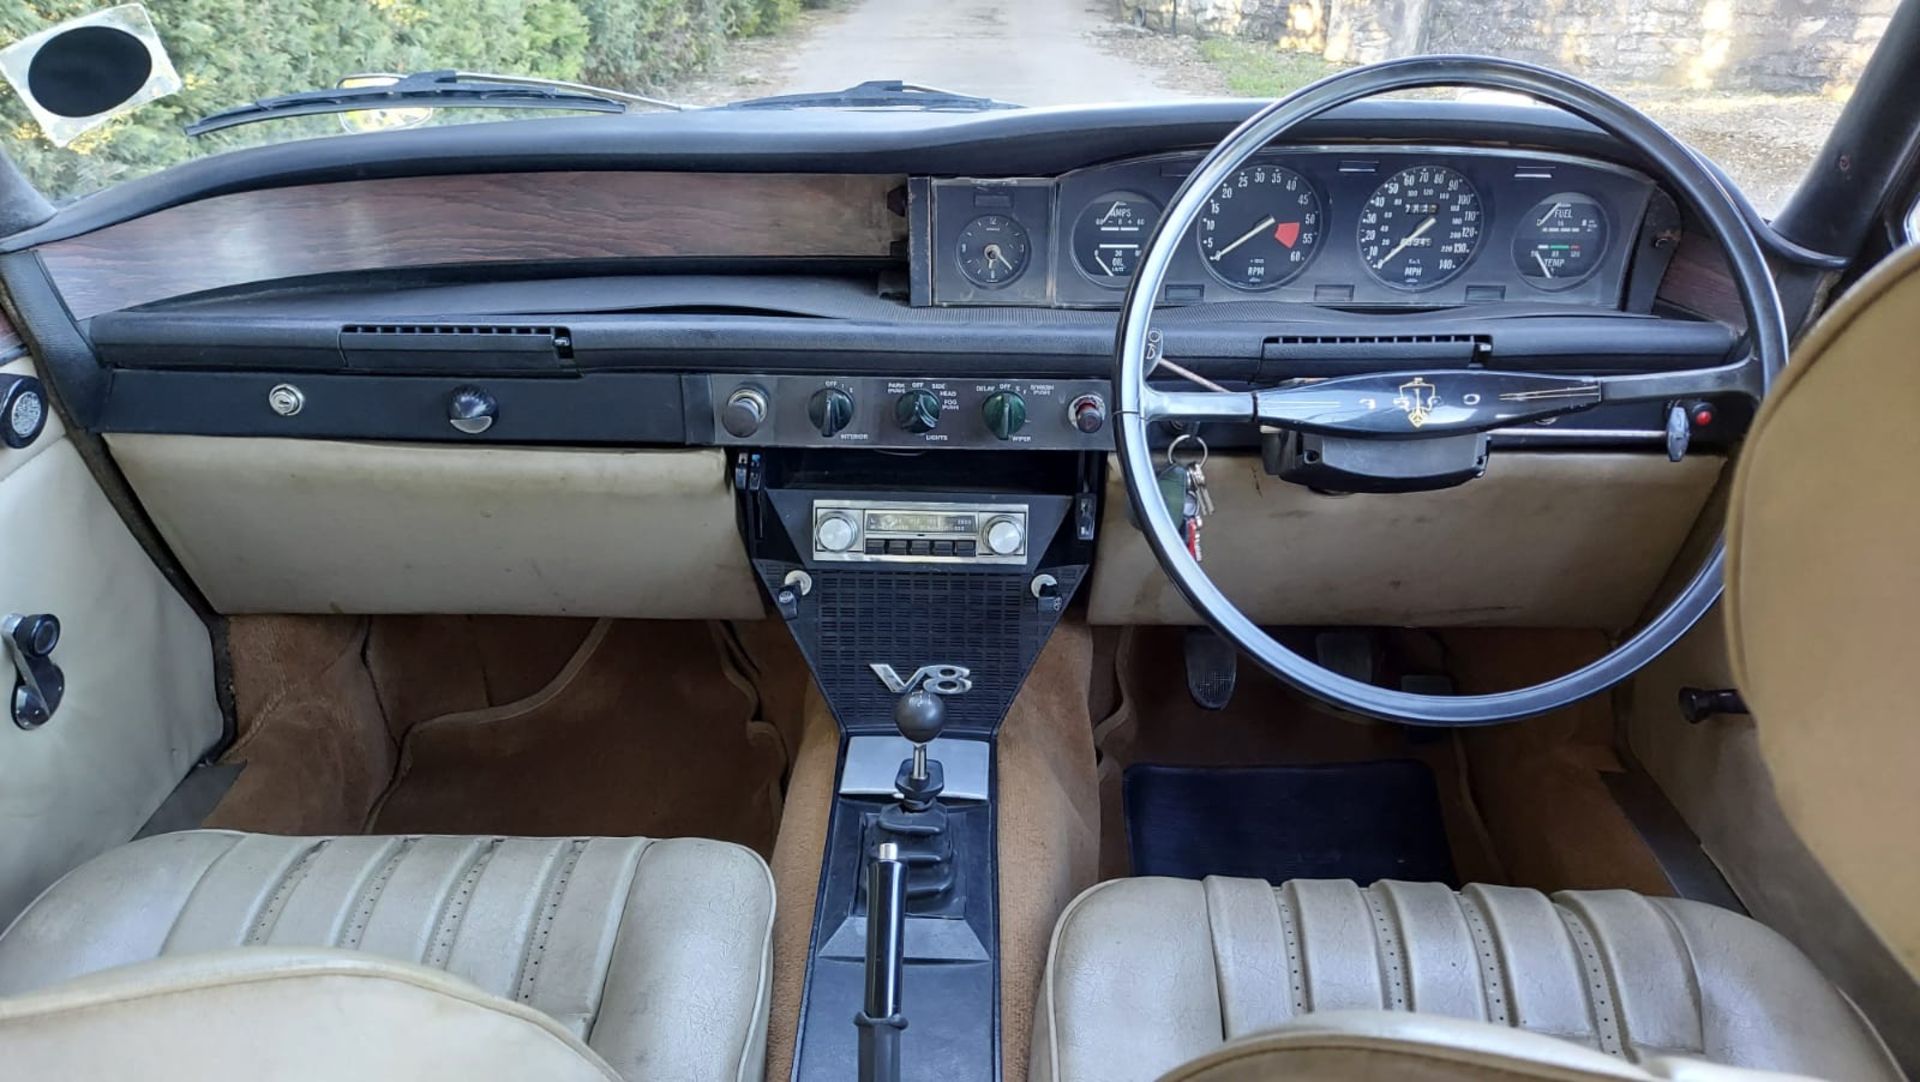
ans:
(880, 1020)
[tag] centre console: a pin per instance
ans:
(920, 578)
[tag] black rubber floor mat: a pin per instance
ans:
(1358, 821)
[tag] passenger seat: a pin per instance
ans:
(214, 954)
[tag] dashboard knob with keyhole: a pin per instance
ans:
(744, 413)
(1005, 413)
(471, 410)
(917, 411)
(831, 410)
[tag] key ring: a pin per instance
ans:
(1175, 446)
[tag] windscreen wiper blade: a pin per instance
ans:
(878, 94)
(438, 89)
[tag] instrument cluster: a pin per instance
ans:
(1363, 226)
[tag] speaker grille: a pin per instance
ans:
(987, 622)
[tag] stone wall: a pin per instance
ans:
(1792, 46)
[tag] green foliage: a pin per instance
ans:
(1257, 70)
(235, 51)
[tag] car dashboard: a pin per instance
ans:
(1355, 226)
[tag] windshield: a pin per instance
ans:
(1754, 86)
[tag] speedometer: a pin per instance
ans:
(1260, 228)
(1420, 228)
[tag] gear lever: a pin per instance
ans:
(920, 715)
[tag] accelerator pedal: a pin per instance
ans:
(1213, 667)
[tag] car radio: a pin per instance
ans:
(920, 532)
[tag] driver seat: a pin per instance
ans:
(1236, 979)
(1321, 978)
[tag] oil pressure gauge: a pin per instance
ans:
(1560, 241)
(993, 250)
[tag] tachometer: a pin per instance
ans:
(1110, 234)
(1560, 241)
(993, 250)
(1260, 228)
(1420, 228)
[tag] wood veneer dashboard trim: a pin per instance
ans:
(275, 233)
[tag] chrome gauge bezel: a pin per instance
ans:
(1108, 281)
(1555, 285)
(1466, 261)
(1320, 208)
(1026, 258)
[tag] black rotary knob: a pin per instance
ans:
(917, 411)
(830, 409)
(1005, 413)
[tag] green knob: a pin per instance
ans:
(1005, 413)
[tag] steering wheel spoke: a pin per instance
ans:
(1411, 404)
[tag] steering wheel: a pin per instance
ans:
(1454, 401)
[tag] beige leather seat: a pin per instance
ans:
(220, 955)
(1147, 975)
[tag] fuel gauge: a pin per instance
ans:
(1560, 241)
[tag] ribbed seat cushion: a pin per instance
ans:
(653, 952)
(1147, 974)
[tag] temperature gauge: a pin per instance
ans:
(1110, 234)
(1560, 241)
(993, 250)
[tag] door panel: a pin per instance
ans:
(139, 707)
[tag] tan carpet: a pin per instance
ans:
(646, 731)
(315, 744)
(1049, 825)
(1541, 783)
(796, 875)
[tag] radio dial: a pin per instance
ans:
(835, 533)
(1004, 536)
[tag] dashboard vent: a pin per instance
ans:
(450, 328)
(1479, 341)
(455, 347)
(1294, 355)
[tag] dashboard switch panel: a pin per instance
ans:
(906, 413)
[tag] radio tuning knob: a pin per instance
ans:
(745, 412)
(1004, 536)
(830, 409)
(1005, 413)
(835, 533)
(917, 411)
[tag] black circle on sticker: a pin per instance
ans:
(88, 70)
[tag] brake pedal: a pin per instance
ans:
(1213, 667)
(1349, 653)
